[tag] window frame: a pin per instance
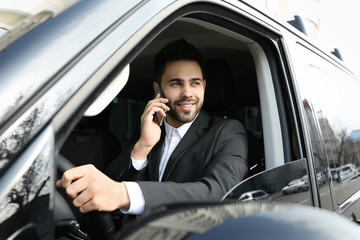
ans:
(269, 41)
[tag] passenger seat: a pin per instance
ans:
(92, 142)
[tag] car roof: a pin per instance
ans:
(60, 41)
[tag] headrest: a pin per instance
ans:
(220, 88)
(100, 121)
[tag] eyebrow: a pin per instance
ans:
(182, 80)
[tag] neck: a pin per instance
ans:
(174, 123)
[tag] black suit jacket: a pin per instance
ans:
(208, 161)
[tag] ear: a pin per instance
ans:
(204, 83)
(155, 84)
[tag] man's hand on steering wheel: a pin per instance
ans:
(91, 190)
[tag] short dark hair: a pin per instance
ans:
(176, 50)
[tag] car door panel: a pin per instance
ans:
(27, 190)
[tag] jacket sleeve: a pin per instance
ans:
(226, 168)
(121, 169)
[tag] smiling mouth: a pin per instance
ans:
(186, 105)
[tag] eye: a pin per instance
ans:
(175, 84)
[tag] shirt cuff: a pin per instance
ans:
(137, 200)
(139, 164)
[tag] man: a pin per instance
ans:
(193, 157)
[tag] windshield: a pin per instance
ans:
(258, 194)
(345, 169)
(295, 182)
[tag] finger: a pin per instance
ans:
(157, 100)
(158, 110)
(89, 206)
(73, 174)
(82, 199)
(160, 102)
(157, 96)
(76, 188)
(156, 107)
(163, 100)
(162, 112)
(151, 109)
(59, 183)
(156, 118)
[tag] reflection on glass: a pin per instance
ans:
(28, 201)
(287, 183)
(13, 144)
(330, 101)
(256, 195)
(297, 185)
(188, 223)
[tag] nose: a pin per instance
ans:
(186, 91)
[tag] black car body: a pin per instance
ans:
(241, 221)
(79, 80)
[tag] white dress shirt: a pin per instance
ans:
(172, 139)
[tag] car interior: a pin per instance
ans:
(232, 91)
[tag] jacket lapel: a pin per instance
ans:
(190, 138)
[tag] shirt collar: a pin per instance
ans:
(182, 129)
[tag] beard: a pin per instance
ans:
(184, 116)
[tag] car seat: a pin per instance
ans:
(92, 142)
(223, 98)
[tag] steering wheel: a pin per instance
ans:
(70, 222)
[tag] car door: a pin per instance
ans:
(48, 72)
(83, 53)
(27, 188)
(332, 122)
(264, 99)
(254, 51)
(259, 92)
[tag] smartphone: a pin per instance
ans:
(158, 115)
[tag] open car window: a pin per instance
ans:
(241, 84)
(245, 81)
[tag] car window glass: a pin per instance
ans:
(288, 183)
(340, 130)
(329, 98)
(26, 188)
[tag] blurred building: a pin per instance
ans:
(309, 10)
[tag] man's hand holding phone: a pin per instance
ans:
(150, 126)
(159, 117)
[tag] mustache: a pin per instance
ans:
(190, 100)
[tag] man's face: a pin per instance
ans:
(184, 86)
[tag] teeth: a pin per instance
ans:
(188, 105)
